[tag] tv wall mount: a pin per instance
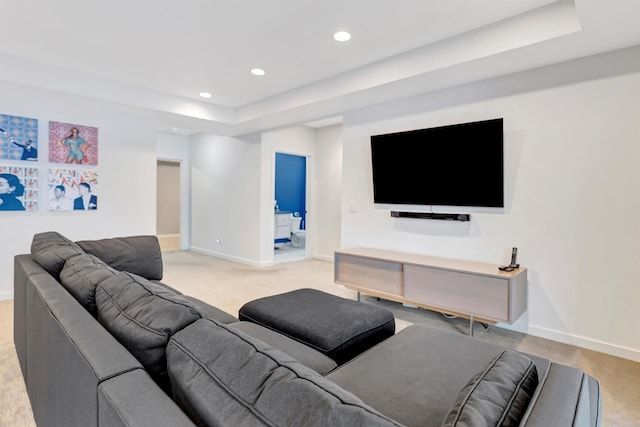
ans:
(431, 215)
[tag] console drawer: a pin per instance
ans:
(482, 296)
(369, 273)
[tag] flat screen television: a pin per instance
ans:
(459, 165)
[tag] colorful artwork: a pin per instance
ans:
(75, 144)
(18, 188)
(18, 138)
(72, 190)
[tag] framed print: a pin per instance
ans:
(18, 138)
(18, 188)
(70, 189)
(73, 144)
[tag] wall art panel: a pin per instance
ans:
(18, 138)
(74, 144)
(72, 190)
(18, 188)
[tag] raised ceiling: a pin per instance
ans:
(158, 55)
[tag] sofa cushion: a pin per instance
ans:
(304, 354)
(142, 316)
(498, 395)
(139, 255)
(80, 276)
(210, 312)
(164, 285)
(51, 250)
(222, 376)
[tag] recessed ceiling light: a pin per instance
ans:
(258, 72)
(205, 94)
(173, 128)
(342, 36)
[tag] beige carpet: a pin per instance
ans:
(228, 286)
(15, 409)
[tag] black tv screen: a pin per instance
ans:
(455, 165)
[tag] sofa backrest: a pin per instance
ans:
(139, 255)
(221, 376)
(51, 250)
(142, 316)
(80, 276)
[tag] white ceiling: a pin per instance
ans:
(158, 55)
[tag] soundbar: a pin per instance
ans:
(430, 215)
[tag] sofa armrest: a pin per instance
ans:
(134, 400)
(68, 353)
(24, 267)
(567, 397)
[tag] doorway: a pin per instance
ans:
(290, 208)
(168, 205)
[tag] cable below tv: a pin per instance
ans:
(430, 215)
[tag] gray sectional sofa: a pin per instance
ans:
(102, 342)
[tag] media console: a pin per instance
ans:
(474, 290)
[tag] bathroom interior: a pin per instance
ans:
(290, 208)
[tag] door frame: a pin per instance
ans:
(185, 191)
(307, 198)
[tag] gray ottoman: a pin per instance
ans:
(337, 327)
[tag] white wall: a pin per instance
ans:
(126, 168)
(299, 140)
(572, 153)
(176, 148)
(233, 191)
(327, 197)
(225, 183)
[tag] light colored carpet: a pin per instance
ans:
(228, 286)
(15, 409)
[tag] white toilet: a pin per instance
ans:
(297, 235)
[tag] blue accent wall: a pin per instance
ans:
(291, 176)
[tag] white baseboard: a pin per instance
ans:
(6, 296)
(231, 258)
(252, 263)
(589, 343)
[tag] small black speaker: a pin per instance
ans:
(430, 215)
